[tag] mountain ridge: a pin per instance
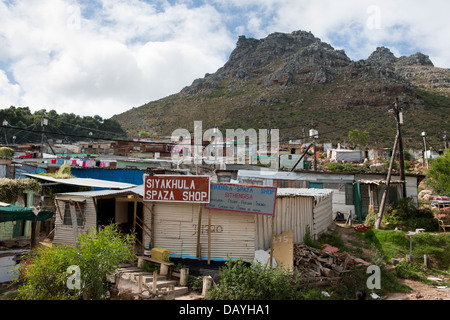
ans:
(288, 81)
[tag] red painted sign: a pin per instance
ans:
(164, 188)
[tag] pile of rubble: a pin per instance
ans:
(326, 264)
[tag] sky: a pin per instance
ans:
(104, 57)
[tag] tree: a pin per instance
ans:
(358, 137)
(438, 174)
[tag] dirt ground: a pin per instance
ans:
(420, 291)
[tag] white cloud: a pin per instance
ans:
(123, 56)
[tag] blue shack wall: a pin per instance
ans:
(117, 175)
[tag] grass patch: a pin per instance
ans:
(389, 243)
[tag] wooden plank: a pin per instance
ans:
(73, 216)
(199, 254)
(58, 209)
(141, 258)
(209, 236)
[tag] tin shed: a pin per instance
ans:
(298, 210)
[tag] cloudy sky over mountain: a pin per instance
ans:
(104, 57)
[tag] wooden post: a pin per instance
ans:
(184, 272)
(199, 229)
(134, 223)
(140, 283)
(164, 270)
(209, 236)
(206, 284)
(271, 240)
(426, 261)
(73, 216)
(388, 183)
(33, 235)
(155, 282)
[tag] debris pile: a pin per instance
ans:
(362, 228)
(323, 265)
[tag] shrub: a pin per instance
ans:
(242, 281)
(371, 218)
(6, 152)
(403, 213)
(97, 256)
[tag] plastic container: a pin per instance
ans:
(160, 254)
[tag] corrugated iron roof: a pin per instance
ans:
(379, 182)
(316, 193)
(85, 182)
(139, 190)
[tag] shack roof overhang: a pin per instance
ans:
(379, 182)
(84, 182)
(137, 190)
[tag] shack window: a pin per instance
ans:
(68, 218)
(316, 185)
(349, 194)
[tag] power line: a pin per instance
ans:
(79, 136)
(77, 125)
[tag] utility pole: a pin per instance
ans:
(445, 140)
(314, 134)
(425, 159)
(388, 183)
(5, 123)
(399, 117)
(44, 122)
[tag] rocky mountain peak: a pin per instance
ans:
(278, 59)
(382, 55)
(418, 58)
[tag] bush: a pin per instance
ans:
(371, 218)
(6, 152)
(97, 256)
(404, 214)
(243, 281)
(345, 167)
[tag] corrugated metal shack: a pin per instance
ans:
(296, 209)
(191, 231)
